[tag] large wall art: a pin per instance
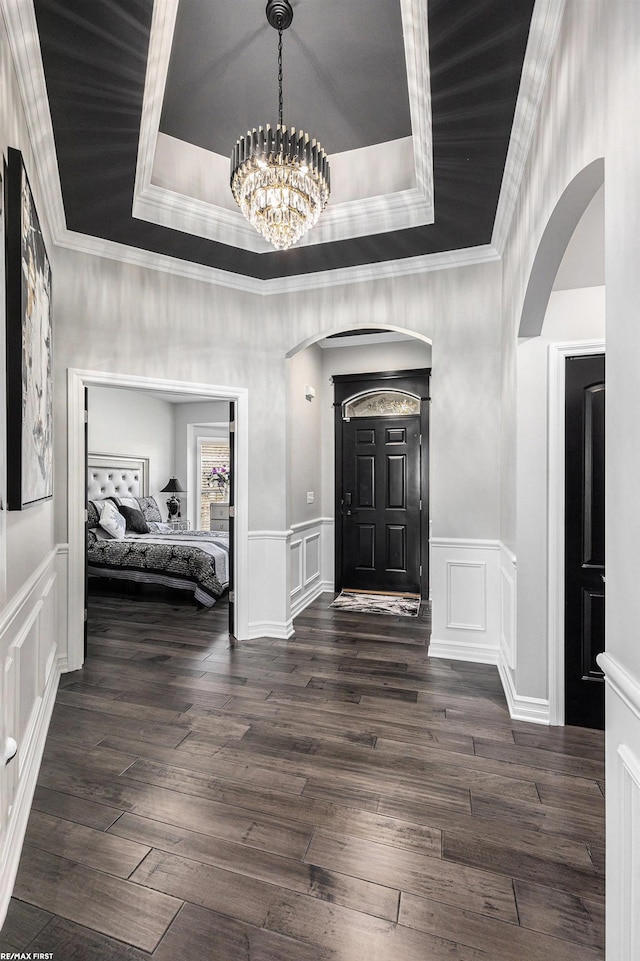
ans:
(29, 359)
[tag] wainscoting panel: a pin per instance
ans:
(507, 608)
(465, 599)
(33, 636)
(269, 576)
(311, 561)
(622, 706)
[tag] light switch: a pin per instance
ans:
(310, 497)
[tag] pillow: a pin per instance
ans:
(150, 509)
(159, 528)
(112, 521)
(125, 501)
(93, 515)
(134, 519)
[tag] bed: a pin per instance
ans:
(127, 539)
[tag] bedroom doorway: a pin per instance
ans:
(145, 460)
(235, 402)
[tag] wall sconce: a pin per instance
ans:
(309, 392)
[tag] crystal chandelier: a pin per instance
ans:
(280, 177)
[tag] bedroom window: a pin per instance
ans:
(214, 478)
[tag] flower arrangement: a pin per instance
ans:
(220, 476)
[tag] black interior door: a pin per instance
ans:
(381, 504)
(584, 540)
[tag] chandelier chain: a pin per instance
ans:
(280, 75)
(280, 177)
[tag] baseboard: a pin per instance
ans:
(460, 651)
(302, 602)
(13, 836)
(522, 708)
(279, 630)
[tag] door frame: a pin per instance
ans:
(558, 354)
(77, 380)
(416, 382)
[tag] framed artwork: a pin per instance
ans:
(28, 353)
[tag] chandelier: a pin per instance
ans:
(280, 176)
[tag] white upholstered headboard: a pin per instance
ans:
(110, 475)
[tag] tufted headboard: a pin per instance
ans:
(110, 475)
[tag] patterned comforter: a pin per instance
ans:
(167, 559)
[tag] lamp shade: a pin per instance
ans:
(173, 487)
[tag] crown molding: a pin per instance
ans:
(137, 257)
(543, 36)
(22, 30)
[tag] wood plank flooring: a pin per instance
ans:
(334, 797)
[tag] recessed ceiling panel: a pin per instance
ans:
(345, 76)
(95, 58)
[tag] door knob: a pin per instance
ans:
(10, 750)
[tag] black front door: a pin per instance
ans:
(381, 504)
(584, 540)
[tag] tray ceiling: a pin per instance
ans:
(414, 100)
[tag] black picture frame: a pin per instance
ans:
(29, 360)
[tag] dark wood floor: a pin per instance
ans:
(335, 796)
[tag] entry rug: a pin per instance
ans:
(377, 604)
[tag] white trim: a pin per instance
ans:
(464, 543)
(384, 212)
(77, 380)
(508, 607)
(458, 651)
(522, 708)
(482, 620)
(475, 635)
(21, 807)
(543, 35)
(558, 354)
(308, 584)
(628, 870)
(624, 684)
(35, 615)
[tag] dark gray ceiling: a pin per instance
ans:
(345, 80)
(95, 56)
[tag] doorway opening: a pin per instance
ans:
(236, 401)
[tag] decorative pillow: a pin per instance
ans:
(93, 515)
(150, 509)
(112, 521)
(125, 501)
(159, 528)
(134, 519)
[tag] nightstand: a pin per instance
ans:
(180, 525)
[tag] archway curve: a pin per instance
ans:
(340, 328)
(560, 227)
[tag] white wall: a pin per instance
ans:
(622, 663)
(572, 316)
(134, 424)
(190, 422)
(305, 452)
